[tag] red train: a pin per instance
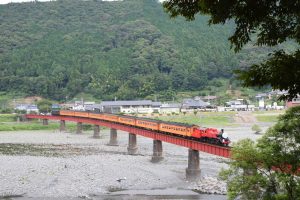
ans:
(209, 135)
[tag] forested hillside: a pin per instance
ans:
(128, 49)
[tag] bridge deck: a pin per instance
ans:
(208, 148)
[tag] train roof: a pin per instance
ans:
(161, 121)
(150, 119)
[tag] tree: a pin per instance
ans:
(267, 169)
(44, 106)
(268, 23)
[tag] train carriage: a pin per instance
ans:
(127, 120)
(147, 123)
(55, 108)
(67, 112)
(96, 116)
(177, 128)
(110, 117)
(81, 114)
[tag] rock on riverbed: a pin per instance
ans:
(210, 185)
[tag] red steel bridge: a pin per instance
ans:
(193, 170)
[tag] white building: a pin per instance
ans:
(170, 108)
(139, 106)
(239, 105)
(29, 108)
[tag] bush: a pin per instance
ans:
(20, 111)
(6, 110)
(87, 127)
(256, 129)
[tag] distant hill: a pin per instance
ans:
(128, 49)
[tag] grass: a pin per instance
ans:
(272, 112)
(27, 126)
(8, 123)
(7, 117)
(267, 118)
(33, 126)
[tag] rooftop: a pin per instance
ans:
(130, 103)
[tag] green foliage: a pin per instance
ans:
(87, 127)
(7, 117)
(44, 106)
(281, 72)
(242, 176)
(195, 112)
(251, 174)
(6, 110)
(26, 126)
(20, 111)
(267, 118)
(263, 22)
(128, 49)
(256, 128)
(34, 125)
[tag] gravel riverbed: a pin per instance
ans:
(50, 164)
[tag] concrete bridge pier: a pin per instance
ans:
(62, 126)
(193, 171)
(132, 147)
(96, 132)
(79, 128)
(157, 151)
(113, 137)
(45, 121)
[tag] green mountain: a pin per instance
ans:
(128, 49)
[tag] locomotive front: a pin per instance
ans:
(211, 135)
(223, 137)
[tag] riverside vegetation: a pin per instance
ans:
(8, 122)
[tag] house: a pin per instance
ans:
(79, 105)
(293, 103)
(239, 105)
(170, 108)
(29, 108)
(137, 106)
(192, 104)
(210, 99)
